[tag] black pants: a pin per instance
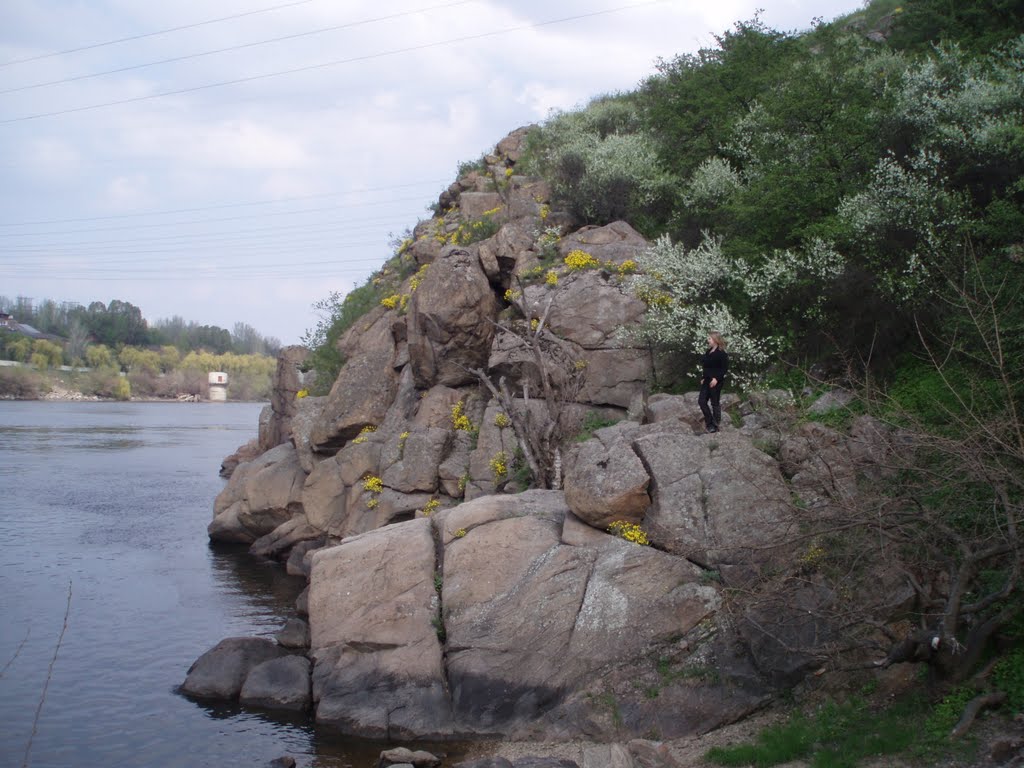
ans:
(712, 415)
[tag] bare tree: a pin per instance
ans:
(921, 561)
(550, 375)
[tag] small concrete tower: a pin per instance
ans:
(218, 386)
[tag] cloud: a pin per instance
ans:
(407, 108)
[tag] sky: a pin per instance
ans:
(238, 161)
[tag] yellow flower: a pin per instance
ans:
(629, 531)
(362, 435)
(534, 324)
(459, 533)
(627, 267)
(460, 420)
(431, 506)
(578, 259)
(501, 421)
(551, 278)
(499, 466)
(391, 301)
(302, 393)
(415, 280)
(508, 172)
(492, 211)
(511, 295)
(545, 211)
(373, 484)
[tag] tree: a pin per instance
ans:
(98, 356)
(51, 354)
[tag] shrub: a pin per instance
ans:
(21, 384)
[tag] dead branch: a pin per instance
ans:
(974, 706)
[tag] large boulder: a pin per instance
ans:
(450, 321)
(607, 484)
(616, 242)
(307, 414)
(366, 385)
(532, 619)
(717, 500)
(373, 611)
(280, 541)
(221, 672)
(260, 496)
(278, 684)
(410, 463)
(589, 308)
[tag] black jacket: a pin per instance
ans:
(715, 365)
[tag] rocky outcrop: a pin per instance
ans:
(365, 387)
(443, 602)
(260, 496)
(287, 381)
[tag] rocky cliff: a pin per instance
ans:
(447, 600)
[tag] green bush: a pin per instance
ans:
(1008, 676)
(337, 315)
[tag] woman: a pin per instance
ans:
(715, 364)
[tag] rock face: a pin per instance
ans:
(287, 381)
(449, 321)
(373, 616)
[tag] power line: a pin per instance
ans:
(151, 34)
(220, 206)
(151, 225)
(334, 63)
(281, 230)
(242, 46)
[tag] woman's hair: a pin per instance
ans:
(717, 338)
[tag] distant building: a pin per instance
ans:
(218, 381)
(8, 323)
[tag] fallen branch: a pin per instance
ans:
(974, 706)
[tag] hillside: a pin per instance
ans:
(512, 518)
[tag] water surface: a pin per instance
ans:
(110, 502)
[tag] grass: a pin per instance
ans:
(591, 423)
(841, 735)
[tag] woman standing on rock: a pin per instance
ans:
(714, 364)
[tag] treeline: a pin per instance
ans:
(120, 322)
(162, 372)
(126, 356)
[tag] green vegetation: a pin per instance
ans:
(841, 735)
(812, 191)
(591, 423)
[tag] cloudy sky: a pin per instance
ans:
(237, 161)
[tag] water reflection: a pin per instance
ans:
(265, 587)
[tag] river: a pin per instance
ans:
(107, 504)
